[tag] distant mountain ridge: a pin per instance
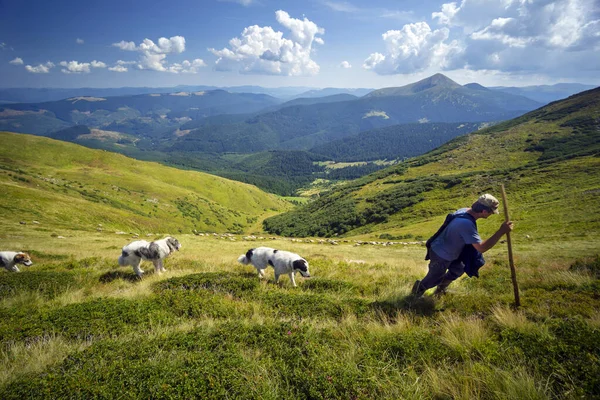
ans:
(301, 127)
(138, 114)
(547, 158)
(545, 93)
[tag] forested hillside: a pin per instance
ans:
(548, 160)
(394, 142)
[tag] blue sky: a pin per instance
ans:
(316, 43)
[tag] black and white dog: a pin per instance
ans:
(135, 252)
(283, 262)
(10, 259)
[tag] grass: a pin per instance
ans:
(75, 325)
(62, 186)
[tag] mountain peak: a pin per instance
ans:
(435, 81)
(475, 86)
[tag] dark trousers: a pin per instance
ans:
(441, 270)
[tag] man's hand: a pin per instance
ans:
(506, 227)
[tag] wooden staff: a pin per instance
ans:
(513, 272)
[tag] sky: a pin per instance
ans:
(310, 43)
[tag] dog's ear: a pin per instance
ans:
(300, 265)
(249, 254)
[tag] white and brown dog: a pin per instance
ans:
(283, 262)
(156, 251)
(10, 259)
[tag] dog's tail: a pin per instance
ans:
(243, 259)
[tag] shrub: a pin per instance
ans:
(590, 265)
(48, 284)
(215, 282)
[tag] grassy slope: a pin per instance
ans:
(63, 185)
(75, 325)
(548, 186)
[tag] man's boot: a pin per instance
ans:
(417, 290)
(442, 287)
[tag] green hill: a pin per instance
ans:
(547, 159)
(61, 184)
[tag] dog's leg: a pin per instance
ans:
(136, 268)
(292, 279)
(276, 278)
(261, 273)
(157, 266)
(14, 268)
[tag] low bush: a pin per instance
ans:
(46, 283)
(589, 265)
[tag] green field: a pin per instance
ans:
(75, 325)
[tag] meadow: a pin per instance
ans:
(76, 325)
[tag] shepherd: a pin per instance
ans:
(457, 248)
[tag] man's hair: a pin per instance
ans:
(478, 207)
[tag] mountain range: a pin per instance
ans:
(548, 160)
(215, 130)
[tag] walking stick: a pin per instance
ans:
(513, 272)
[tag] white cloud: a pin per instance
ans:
(41, 68)
(153, 56)
(75, 67)
(118, 68)
(345, 65)
(2, 45)
(187, 67)
(121, 66)
(524, 36)
(262, 50)
(414, 48)
(97, 64)
(79, 41)
(16, 61)
(123, 45)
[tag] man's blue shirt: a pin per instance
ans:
(460, 232)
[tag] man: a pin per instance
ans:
(445, 251)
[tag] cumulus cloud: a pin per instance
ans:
(75, 67)
(187, 67)
(262, 50)
(123, 45)
(345, 65)
(118, 68)
(16, 61)
(550, 37)
(79, 41)
(153, 56)
(515, 35)
(41, 68)
(414, 48)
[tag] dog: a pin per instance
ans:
(283, 262)
(10, 259)
(156, 251)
